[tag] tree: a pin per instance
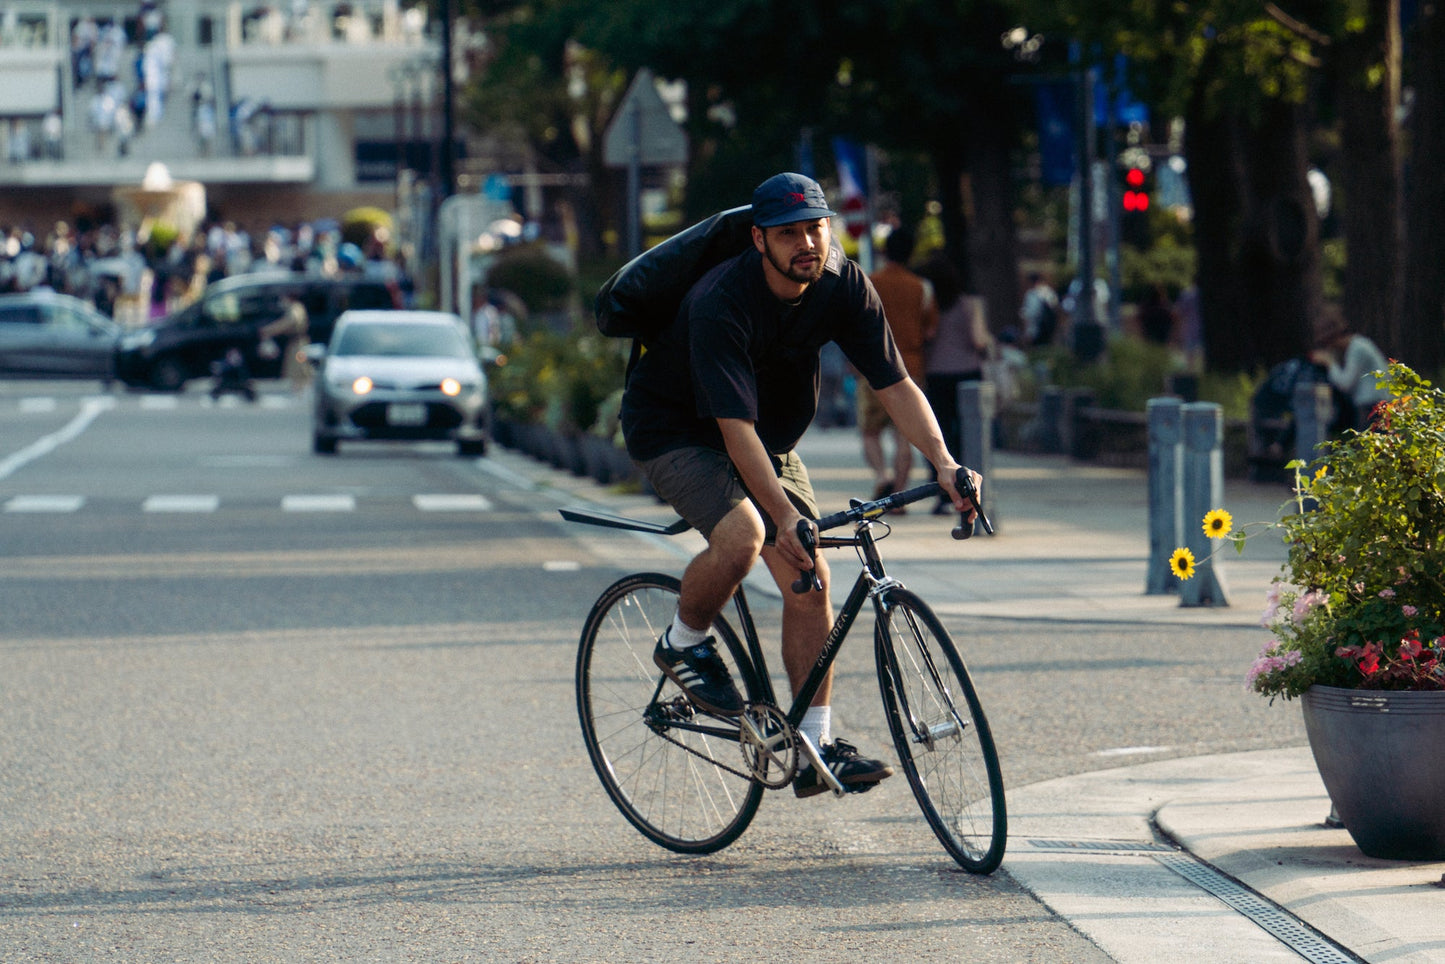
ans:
(916, 77)
(550, 98)
(1424, 297)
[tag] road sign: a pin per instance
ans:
(644, 123)
(855, 216)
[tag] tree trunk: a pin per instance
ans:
(1370, 174)
(1422, 338)
(955, 214)
(1216, 185)
(1256, 233)
(992, 244)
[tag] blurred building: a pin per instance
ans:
(284, 111)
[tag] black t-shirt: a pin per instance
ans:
(735, 351)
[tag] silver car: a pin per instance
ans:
(48, 335)
(406, 375)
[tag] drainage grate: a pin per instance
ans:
(1106, 846)
(1286, 928)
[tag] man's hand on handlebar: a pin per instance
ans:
(948, 480)
(790, 544)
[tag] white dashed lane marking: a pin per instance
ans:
(161, 503)
(181, 503)
(45, 503)
(318, 503)
(451, 502)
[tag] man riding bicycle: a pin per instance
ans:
(712, 412)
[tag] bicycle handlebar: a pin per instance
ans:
(861, 511)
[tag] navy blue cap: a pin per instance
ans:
(785, 198)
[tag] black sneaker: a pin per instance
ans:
(702, 675)
(858, 774)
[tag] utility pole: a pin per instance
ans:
(448, 160)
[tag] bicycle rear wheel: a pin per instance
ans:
(940, 732)
(676, 773)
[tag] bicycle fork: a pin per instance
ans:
(925, 735)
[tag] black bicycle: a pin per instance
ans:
(691, 781)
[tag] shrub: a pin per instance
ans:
(540, 280)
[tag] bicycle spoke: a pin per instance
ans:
(681, 787)
(940, 733)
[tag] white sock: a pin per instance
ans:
(681, 636)
(817, 724)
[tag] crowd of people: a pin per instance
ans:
(134, 279)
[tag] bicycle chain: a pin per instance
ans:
(704, 756)
(745, 774)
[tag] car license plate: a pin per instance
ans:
(406, 413)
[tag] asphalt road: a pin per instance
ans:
(259, 705)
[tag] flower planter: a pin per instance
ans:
(1379, 755)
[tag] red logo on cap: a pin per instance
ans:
(793, 197)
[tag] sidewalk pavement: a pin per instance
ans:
(1215, 858)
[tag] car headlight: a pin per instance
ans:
(133, 340)
(362, 385)
(451, 387)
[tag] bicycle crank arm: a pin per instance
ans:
(816, 759)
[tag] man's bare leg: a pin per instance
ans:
(715, 573)
(807, 617)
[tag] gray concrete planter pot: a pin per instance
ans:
(1380, 757)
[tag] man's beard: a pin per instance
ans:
(802, 276)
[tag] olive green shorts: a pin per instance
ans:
(702, 486)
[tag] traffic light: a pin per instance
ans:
(1134, 221)
(1136, 196)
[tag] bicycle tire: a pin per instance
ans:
(684, 790)
(952, 768)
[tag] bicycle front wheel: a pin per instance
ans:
(940, 732)
(676, 773)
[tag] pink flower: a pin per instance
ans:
(1387, 594)
(1271, 603)
(1408, 610)
(1308, 601)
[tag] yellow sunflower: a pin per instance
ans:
(1182, 563)
(1218, 523)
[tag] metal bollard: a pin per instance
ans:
(1081, 435)
(1203, 477)
(977, 407)
(1166, 491)
(1314, 410)
(1050, 418)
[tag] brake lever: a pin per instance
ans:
(963, 480)
(807, 578)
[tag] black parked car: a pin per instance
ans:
(44, 334)
(183, 345)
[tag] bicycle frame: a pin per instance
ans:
(871, 581)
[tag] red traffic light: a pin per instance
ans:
(1134, 177)
(1136, 201)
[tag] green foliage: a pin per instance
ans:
(1132, 372)
(1166, 261)
(1365, 602)
(529, 272)
(562, 381)
(1232, 391)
